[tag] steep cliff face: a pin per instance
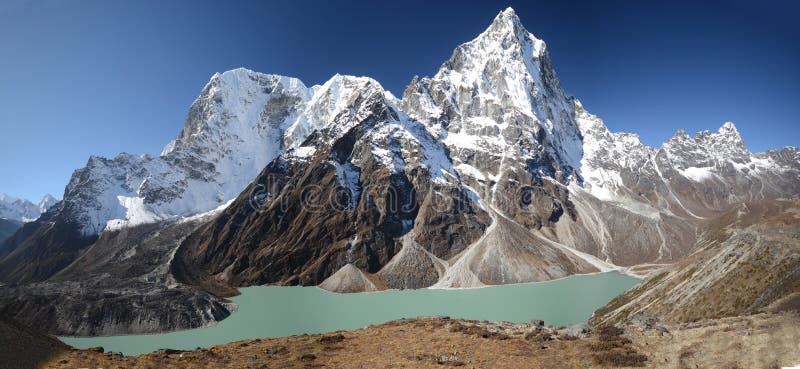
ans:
(232, 131)
(506, 121)
(509, 180)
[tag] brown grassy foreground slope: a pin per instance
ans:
(747, 342)
(757, 341)
(748, 261)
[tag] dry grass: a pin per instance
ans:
(764, 341)
(410, 343)
(748, 261)
(611, 348)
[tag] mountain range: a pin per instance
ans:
(14, 212)
(486, 173)
(22, 210)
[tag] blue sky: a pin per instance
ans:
(100, 77)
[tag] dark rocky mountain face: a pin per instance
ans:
(41, 248)
(302, 219)
(120, 284)
(549, 191)
(8, 227)
(428, 155)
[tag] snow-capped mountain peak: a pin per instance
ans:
(706, 147)
(239, 123)
(336, 96)
(498, 94)
(230, 105)
(506, 30)
(46, 202)
(505, 45)
(726, 140)
(233, 129)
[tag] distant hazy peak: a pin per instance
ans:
(46, 202)
(22, 209)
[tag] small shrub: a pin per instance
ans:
(610, 331)
(609, 344)
(613, 350)
(457, 328)
(619, 357)
(473, 330)
(538, 336)
(308, 357)
(327, 340)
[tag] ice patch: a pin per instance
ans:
(218, 210)
(304, 152)
(136, 213)
(469, 170)
(389, 159)
(698, 174)
(349, 177)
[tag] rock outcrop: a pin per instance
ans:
(349, 279)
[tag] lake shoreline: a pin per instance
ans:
(272, 311)
(437, 342)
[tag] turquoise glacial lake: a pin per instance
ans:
(283, 311)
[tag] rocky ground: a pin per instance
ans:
(120, 285)
(754, 341)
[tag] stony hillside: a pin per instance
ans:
(748, 261)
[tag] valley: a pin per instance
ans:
(284, 311)
(282, 213)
